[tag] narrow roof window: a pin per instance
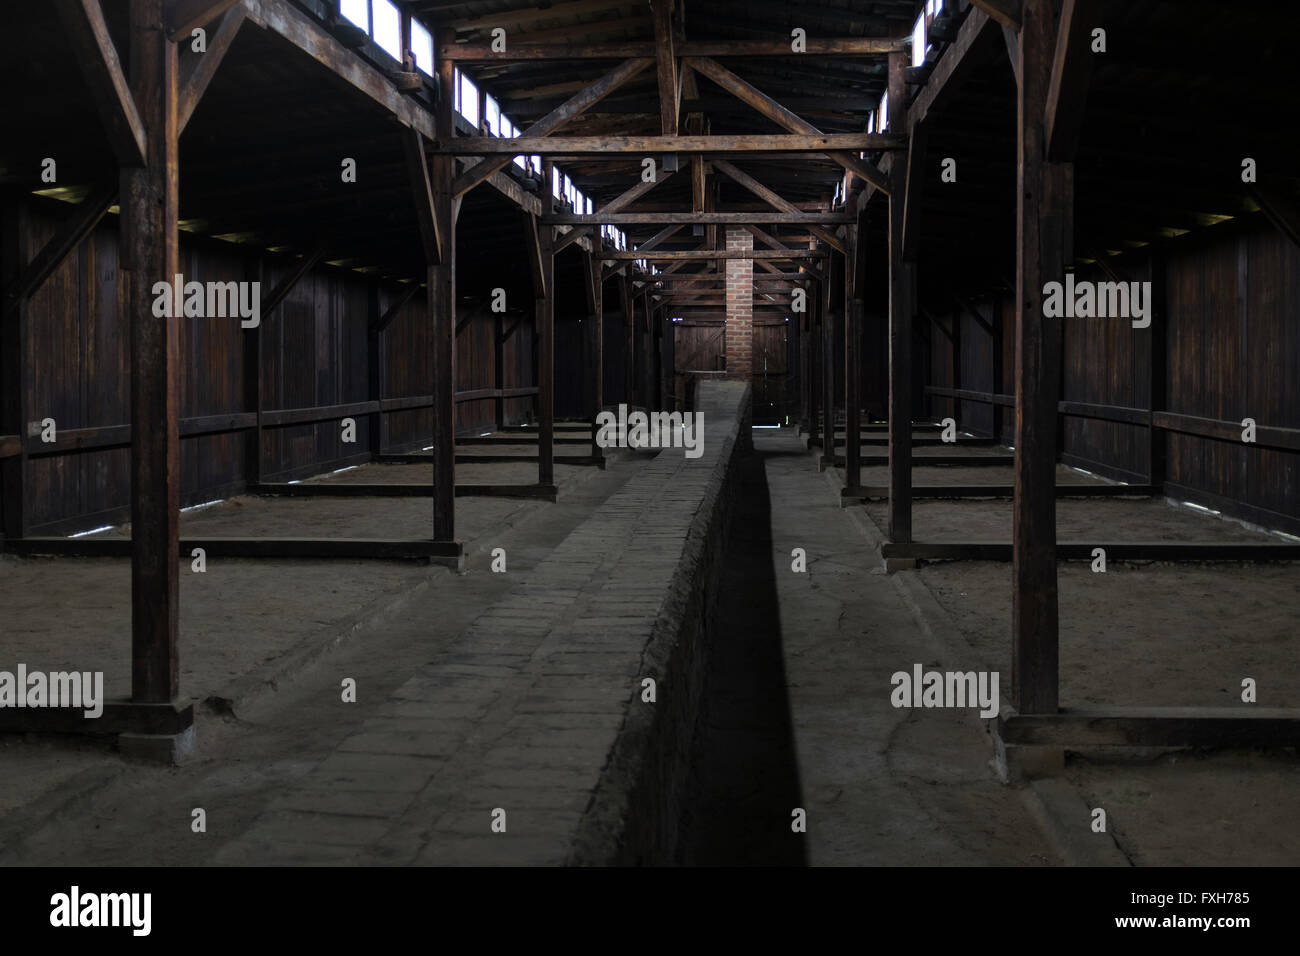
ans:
(358, 11)
(469, 100)
(422, 47)
(388, 27)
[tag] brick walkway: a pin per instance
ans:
(522, 710)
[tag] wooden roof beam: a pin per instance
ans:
(638, 49)
(186, 16)
(92, 46)
(696, 218)
(1067, 90)
(832, 144)
(552, 121)
(783, 117)
(626, 198)
(670, 91)
(200, 68)
(772, 199)
(422, 196)
(1005, 12)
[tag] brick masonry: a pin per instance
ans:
(536, 709)
(740, 307)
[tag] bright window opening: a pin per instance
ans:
(422, 47)
(358, 11)
(388, 27)
(493, 116)
(469, 100)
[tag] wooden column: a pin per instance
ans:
(1043, 217)
(253, 400)
(376, 371)
(996, 320)
(828, 368)
(498, 367)
(816, 318)
(957, 319)
(13, 371)
(1157, 337)
(441, 298)
(852, 365)
(545, 317)
(900, 325)
(149, 203)
(629, 324)
(596, 308)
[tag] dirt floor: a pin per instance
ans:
(268, 641)
(1144, 634)
(248, 615)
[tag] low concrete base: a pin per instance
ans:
(1068, 823)
(1018, 763)
(169, 749)
(899, 564)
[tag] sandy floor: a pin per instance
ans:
(244, 615)
(1105, 519)
(1153, 635)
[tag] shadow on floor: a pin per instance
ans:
(744, 776)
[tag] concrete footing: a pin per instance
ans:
(899, 564)
(168, 749)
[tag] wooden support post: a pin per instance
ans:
(956, 363)
(1043, 218)
(441, 298)
(1157, 338)
(597, 309)
(252, 339)
(150, 201)
(900, 327)
(13, 371)
(828, 369)
(852, 364)
(998, 375)
(546, 358)
(377, 368)
(816, 319)
(629, 322)
(499, 367)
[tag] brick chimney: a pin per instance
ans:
(740, 307)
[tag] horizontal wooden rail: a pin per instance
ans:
(476, 394)
(1283, 439)
(283, 417)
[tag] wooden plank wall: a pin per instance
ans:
(314, 354)
(1231, 298)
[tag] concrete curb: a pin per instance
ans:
(255, 688)
(1067, 822)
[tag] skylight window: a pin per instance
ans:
(422, 47)
(387, 27)
(358, 11)
(469, 100)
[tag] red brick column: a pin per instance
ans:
(740, 307)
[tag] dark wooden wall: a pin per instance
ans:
(314, 354)
(1224, 345)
